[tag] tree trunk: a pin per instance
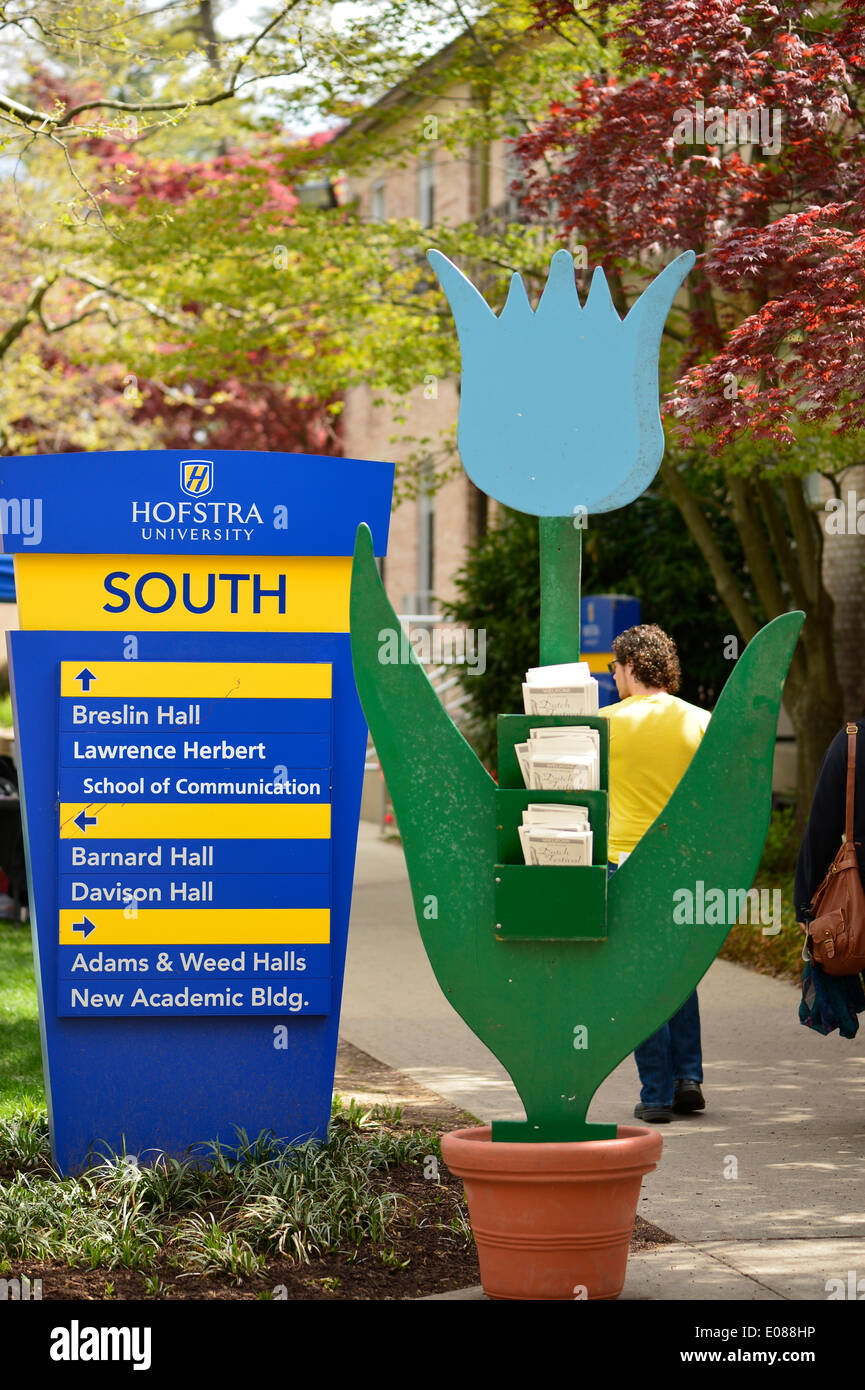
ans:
(783, 549)
(816, 722)
(816, 709)
(844, 577)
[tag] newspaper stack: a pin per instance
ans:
(565, 689)
(563, 759)
(553, 834)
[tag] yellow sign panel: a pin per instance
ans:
(236, 820)
(175, 593)
(196, 926)
(195, 680)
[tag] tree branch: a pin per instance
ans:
(729, 590)
(807, 534)
(91, 197)
(107, 288)
(758, 557)
(757, 554)
(32, 307)
(83, 311)
(781, 542)
(47, 121)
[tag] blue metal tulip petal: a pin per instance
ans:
(559, 406)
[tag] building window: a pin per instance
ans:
(426, 183)
(426, 541)
(514, 182)
(478, 513)
(377, 202)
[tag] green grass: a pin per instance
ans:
(6, 711)
(20, 1053)
(255, 1202)
(781, 954)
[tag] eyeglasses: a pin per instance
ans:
(611, 667)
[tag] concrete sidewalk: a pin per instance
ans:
(766, 1190)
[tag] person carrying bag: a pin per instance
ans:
(832, 916)
(835, 925)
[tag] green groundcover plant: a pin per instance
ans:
(230, 1212)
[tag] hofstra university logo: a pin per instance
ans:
(196, 477)
(197, 520)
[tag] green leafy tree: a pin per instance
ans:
(153, 211)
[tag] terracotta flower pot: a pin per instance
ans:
(552, 1219)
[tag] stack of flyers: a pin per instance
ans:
(565, 689)
(562, 759)
(553, 834)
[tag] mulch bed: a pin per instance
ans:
(435, 1261)
(422, 1255)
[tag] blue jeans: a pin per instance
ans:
(671, 1054)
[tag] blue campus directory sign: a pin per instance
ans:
(191, 753)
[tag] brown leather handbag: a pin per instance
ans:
(836, 926)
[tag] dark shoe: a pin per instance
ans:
(688, 1097)
(655, 1114)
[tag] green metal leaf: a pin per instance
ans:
(560, 1015)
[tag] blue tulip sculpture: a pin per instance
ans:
(559, 971)
(559, 405)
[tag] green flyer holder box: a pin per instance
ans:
(510, 805)
(551, 902)
(555, 902)
(514, 728)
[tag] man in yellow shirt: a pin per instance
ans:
(653, 736)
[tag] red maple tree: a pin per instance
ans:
(735, 130)
(259, 416)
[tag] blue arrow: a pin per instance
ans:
(86, 927)
(82, 820)
(86, 677)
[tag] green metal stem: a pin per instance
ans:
(561, 556)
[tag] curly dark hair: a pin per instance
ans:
(652, 656)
